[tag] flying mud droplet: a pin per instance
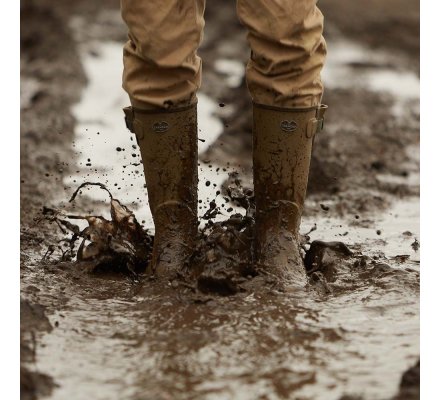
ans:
(415, 245)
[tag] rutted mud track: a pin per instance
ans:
(353, 332)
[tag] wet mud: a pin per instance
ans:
(94, 325)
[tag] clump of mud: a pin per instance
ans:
(223, 257)
(222, 262)
(118, 244)
(409, 388)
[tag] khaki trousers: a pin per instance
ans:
(162, 69)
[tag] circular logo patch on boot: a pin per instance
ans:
(288, 126)
(160, 127)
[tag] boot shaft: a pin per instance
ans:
(282, 148)
(168, 146)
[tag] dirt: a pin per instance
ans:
(118, 335)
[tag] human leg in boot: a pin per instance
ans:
(168, 145)
(162, 74)
(282, 151)
(283, 76)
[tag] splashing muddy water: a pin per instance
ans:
(113, 340)
(107, 151)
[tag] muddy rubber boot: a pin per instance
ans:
(282, 148)
(168, 145)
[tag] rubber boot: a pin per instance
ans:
(168, 145)
(282, 148)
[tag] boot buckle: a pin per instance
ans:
(316, 124)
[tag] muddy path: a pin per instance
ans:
(352, 334)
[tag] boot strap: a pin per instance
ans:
(316, 124)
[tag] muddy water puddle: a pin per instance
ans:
(111, 342)
(352, 65)
(393, 232)
(162, 345)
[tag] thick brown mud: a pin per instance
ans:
(90, 330)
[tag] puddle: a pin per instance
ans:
(240, 347)
(392, 232)
(352, 65)
(89, 353)
(161, 346)
(233, 71)
(349, 64)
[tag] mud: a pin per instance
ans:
(111, 334)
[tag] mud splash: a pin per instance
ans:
(101, 135)
(119, 244)
(188, 343)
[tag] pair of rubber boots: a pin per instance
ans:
(282, 147)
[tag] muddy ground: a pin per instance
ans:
(353, 335)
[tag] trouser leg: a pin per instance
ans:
(161, 66)
(288, 51)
